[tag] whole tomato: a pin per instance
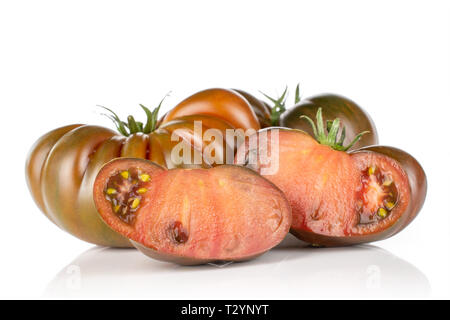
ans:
(62, 165)
(333, 106)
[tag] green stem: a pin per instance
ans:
(278, 108)
(132, 126)
(279, 105)
(330, 138)
(297, 93)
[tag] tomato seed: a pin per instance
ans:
(111, 191)
(135, 203)
(382, 212)
(142, 190)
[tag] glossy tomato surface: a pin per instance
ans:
(352, 116)
(261, 108)
(227, 213)
(340, 198)
(224, 104)
(62, 166)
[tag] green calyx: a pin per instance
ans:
(330, 138)
(132, 126)
(297, 93)
(279, 105)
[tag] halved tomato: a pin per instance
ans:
(192, 216)
(338, 198)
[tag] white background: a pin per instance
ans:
(59, 59)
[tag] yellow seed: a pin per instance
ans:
(390, 205)
(221, 182)
(111, 191)
(125, 174)
(144, 177)
(142, 190)
(116, 208)
(135, 203)
(371, 171)
(387, 183)
(382, 212)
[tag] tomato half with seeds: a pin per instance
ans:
(338, 197)
(333, 106)
(192, 216)
(62, 165)
(225, 104)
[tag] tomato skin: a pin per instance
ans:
(36, 159)
(67, 176)
(262, 109)
(353, 117)
(309, 167)
(224, 104)
(62, 166)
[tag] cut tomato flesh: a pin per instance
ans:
(225, 213)
(383, 194)
(318, 182)
(377, 195)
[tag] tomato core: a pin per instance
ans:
(377, 196)
(124, 191)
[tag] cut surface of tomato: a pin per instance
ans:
(383, 193)
(192, 215)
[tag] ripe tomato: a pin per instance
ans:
(352, 117)
(225, 104)
(62, 165)
(194, 216)
(339, 198)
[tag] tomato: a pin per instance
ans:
(62, 165)
(194, 216)
(352, 117)
(261, 108)
(224, 104)
(339, 197)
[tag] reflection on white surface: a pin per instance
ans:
(289, 271)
